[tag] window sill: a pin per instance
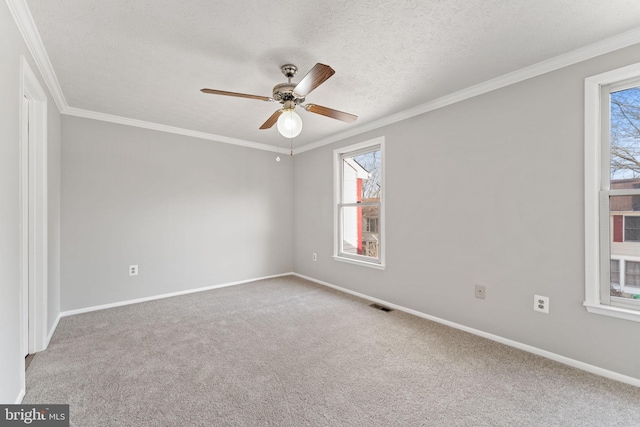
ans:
(617, 312)
(358, 262)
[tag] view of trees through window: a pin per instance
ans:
(624, 210)
(360, 211)
(625, 134)
(371, 163)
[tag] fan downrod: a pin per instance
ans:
(289, 71)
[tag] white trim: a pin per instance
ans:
(524, 347)
(592, 168)
(37, 215)
(613, 311)
(162, 296)
(53, 329)
(360, 263)
(337, 202)
(20, 396)
(593, 187)
(609, 77)
(26, 25)
(591, 51)
(625, 192)
(78, 112)
(24, 223)
(24, 21)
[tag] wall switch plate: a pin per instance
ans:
(541, 304)
(133, 270)
(315, 256)
(481, 291)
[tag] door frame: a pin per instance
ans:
(33, 211)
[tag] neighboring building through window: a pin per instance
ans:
(632, 275)
(631, 228)
(359, 205)
(612, 193)
(372, 225)
(615, 272)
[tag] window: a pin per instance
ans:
(632, 228)
(632, 273)
(372, 225)
(359, 204)
(615, 273)
(612, 193)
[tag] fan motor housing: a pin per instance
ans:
(283, 92)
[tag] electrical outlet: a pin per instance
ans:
(315, 257)
(541, 304)
(133, 270)
(481, 291)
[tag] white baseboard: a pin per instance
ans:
(20, 397)
(162, 296)
(529, 349)
(53, 329)
(139, 300)
(525, 347)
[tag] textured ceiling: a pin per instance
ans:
(148, 59)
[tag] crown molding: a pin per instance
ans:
(602, 47)
(26, 25)
(24, 21)
(88, 114)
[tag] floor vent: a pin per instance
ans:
(381, 307)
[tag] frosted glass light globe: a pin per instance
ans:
(289, 124)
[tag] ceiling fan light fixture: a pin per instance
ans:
(289, 124)
(291, 95)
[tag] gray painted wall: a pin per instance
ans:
(486, 191)
(190, 212)
(11, 360)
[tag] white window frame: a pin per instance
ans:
(597, 193)
(337, 192)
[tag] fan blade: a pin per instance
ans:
(330, 112)
(240, 95)
(314, 78)
(271, 120)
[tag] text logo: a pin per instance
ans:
(34, 415)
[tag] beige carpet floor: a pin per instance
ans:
(287, 352)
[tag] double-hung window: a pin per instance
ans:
(612, 193)
(359, 204)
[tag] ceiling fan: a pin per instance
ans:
(291, 95)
